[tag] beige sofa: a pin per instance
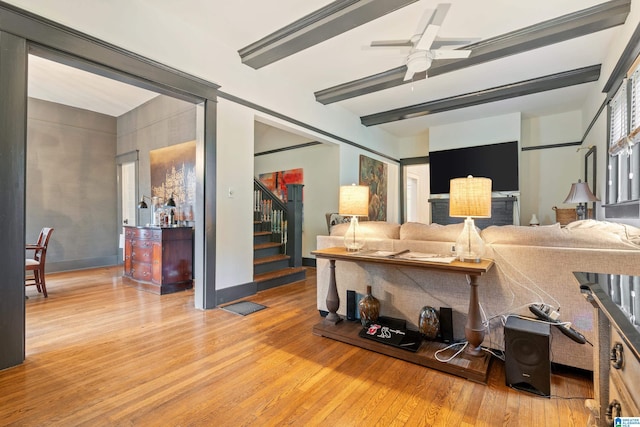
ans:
(532, 265)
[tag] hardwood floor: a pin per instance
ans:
(100, 352)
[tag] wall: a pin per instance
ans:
(349, 168)
(158, 123)
(71, 184)
(234, 229)
(546, 174)
(320, 192)
(490, 130)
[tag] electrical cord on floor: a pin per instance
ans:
(554, 396)
(436, 354)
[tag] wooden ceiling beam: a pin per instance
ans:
(499, 93)
(335, 18)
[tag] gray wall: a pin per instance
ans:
(158, 123)
(71, 184)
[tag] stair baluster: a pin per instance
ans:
(274, 257)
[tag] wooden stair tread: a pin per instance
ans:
(266, 245)
(261, 233)
(268, 259)
(277, 273)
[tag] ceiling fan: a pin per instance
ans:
(425, 45)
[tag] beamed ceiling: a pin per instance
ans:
(536, 58)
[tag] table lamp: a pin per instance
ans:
(470, 198)
(580, 193)
(354, 202)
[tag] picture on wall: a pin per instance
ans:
(173, 174)
(373, 173)
(277, 182)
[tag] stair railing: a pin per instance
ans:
(284, 221)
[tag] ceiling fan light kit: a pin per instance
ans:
(425, 45)
(418, 61)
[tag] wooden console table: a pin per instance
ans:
(472, 364)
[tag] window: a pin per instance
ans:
(623, 184)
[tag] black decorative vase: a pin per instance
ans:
(429, 323)
(369, 308)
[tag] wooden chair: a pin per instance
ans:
(37, 263)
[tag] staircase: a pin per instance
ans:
(272, 265)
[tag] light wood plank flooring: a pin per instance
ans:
(102, 353)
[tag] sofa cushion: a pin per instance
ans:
(371, 230)
(577, 236)
(431, 232)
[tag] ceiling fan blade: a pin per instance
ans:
(408, 75)
(450, 53)
(391, 43)
(441, 13)
(427, 38)
(430, 33)
(425, 20)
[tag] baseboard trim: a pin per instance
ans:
(235, 292)
(308, 262)
(81, 264)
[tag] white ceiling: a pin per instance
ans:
(59, 83)
(347, 57)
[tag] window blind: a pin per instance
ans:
(635, 107)
(619, 127)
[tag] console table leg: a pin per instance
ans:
(474, 329)
(333, 300)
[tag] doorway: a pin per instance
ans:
(415, 190)
(53, 41)
(128, 214)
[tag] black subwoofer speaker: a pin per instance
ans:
(526, 355)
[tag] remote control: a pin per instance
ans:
(567, 330)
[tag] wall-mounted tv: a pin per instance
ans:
(496, 161)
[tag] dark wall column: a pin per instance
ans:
(294, 224)
(13, 130)
(209, 181)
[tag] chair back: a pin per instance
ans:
(43, 242)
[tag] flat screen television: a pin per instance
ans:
(496, 161)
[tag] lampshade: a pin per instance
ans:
(470, 197)
(142, 204)
(580, 193)
(354, 200)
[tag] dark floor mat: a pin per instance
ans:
(243, 308)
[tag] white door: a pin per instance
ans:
(128, 191)
(417, 193)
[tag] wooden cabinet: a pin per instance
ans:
(617, 345)
(159, 260)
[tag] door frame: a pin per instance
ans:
(23, 33)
